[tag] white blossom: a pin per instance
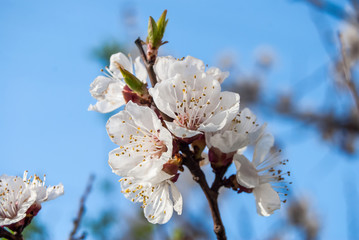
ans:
(242, 131)
(159, 198)
(145, 145)
(20, 195)
(168, 67)
(107, 90)
(262, 174)
(195, 102)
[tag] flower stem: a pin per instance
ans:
(150, 71)
(211, 195)
(148, 64)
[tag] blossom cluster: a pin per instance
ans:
(185, 106)
(21, 199)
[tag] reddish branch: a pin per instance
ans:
(148, 64)
(191, 162)
(150, 71)
(81, 211)
(210, 193)
(218, 181)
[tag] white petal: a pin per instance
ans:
(148, 170)
(227, 141)
(140, 70)
(120, 127)
(164, 96)
(246, 175)
(267, 199)
(140, 134)
(177, 198)
(105, 106)
(246, 123)
(180, 131)
(227, 109)
(122, 165)
(108, 93)
(162, 66)
(188, 67)
(159, 208)
(262, 148)
(131, 187)
(99, 86)
(217, 74)
(41, 193)
(53, 192)
(121, 59)
(144, 117)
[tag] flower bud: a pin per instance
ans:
(219, 159)
(133, 82)
(155, 35)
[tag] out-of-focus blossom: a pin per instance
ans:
(22, 197)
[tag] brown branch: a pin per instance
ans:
(347, 73)
(81, 211)
(150, 71)
(148, 64)
(211, 195)
(218, 181)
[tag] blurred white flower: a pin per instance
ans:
(195, 102)
(145, 145)
(260, 173)
(158, 198)
(168, 67)
(107, 90)
(22, 197)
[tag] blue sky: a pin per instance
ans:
(46, 67)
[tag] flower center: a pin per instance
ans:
(186, 121)
(158, 146)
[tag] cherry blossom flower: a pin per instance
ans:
(158, 198)
(168, 67)
(195, 102)
(262, 174)
(242, 131)
(108, 90)
(22, 197)
(145, 145)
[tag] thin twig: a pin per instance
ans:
(81, 211)
(212, 196)
(189, 159)
(148, 65)
(218, 180)
(150, 71)
(347, 73)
